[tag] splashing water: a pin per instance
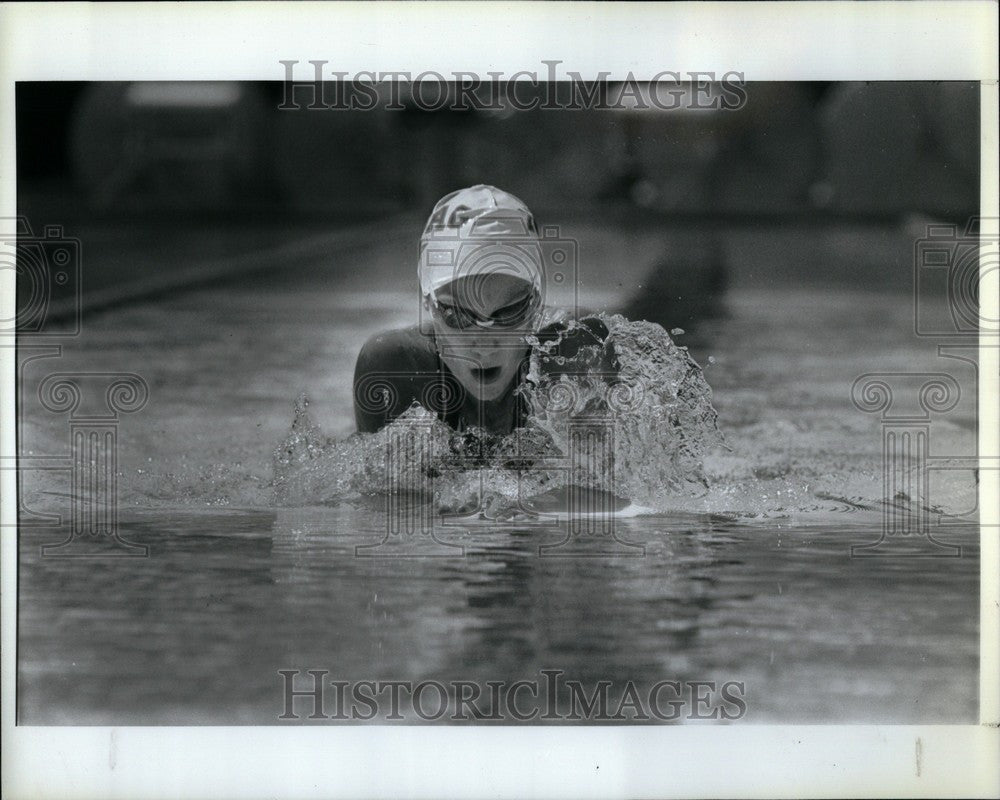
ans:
(639, 435)
(796, 448)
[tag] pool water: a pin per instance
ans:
(197, 632)
(752, 580)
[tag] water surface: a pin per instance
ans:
(751, 581)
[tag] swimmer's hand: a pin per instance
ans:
(577, 347)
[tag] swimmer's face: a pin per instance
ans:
(477, 320)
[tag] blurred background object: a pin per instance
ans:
(859, 148)
(892, 148)
(159, 145)
(804, 182)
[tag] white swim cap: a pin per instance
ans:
(477, 231)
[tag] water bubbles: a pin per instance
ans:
(641, 435)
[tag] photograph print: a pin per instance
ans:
(487, 400)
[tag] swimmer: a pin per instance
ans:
(481, 273)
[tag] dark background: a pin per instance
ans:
(795, 148)
(168, 184)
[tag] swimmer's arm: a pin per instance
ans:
(367, 417)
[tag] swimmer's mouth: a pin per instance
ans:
(486, 374)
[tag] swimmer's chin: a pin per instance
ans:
(488, 393)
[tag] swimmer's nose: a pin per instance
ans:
(490, 350)
(486, 347)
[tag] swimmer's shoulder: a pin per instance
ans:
(394, 369)
(398, 350)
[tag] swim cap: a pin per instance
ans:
(476, 231)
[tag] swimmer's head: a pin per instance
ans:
(478, 231)
(480, 272)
